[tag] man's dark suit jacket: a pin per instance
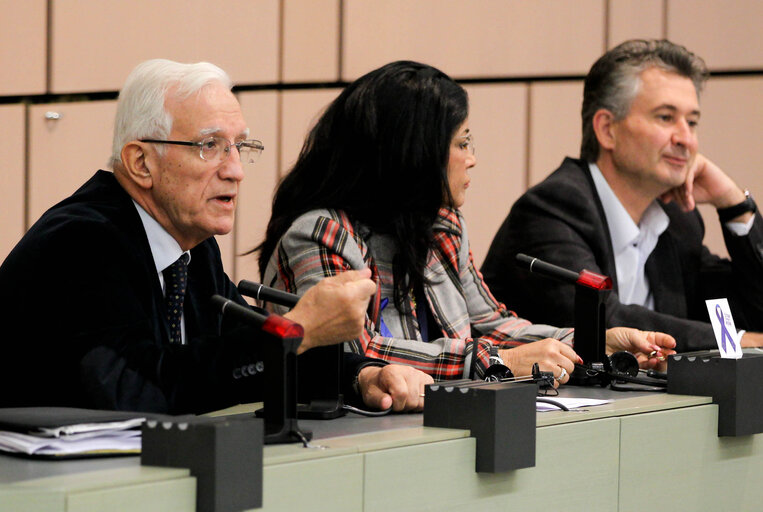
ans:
(561, 221)
(83, 320)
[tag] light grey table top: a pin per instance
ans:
(354, 433)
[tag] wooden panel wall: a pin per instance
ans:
(23, 44)
(96, 44)
(12, 177)
(498, 119)
(726, 34)
(522, 62)
(482, 38)
(68, 142)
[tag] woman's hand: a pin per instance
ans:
(650, 348)
(550, 354)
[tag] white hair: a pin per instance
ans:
(140, 109)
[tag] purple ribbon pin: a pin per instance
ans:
(724, 331)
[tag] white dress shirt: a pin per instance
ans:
(164, 249)
(632, 244)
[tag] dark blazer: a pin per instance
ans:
(82, 315)
(561, 220)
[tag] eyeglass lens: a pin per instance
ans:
(216, 149)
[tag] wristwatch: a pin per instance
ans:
(732, 212)
(494, 357)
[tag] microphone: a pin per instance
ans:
(264, 293)
(585, 277)
(591, 292)
(276, 325)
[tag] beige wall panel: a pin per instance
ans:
(261, 113)
(482, 38)
(310, 40)
(730, 135)
(726, 34)
(634, 19)
(64, 153)
(554, 125)
(227, 245)
(497, 118)
(22, 46)
(11, 177)
(299, 112)
(96, 44)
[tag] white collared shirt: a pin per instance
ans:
(164, 249)
(631, 244)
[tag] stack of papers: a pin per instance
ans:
(54, 432)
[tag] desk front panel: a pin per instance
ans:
(330, 483)
(571, 459)
(675, 461)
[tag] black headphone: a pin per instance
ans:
(620, 372)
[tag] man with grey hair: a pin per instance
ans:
(626, 209)
(131, 263)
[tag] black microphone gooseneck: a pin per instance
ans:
(261, 292)
(584, 277)
(235, 310)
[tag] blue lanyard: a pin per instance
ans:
(421, 313)
(383, 330)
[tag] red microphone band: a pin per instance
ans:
(594, 280)
(282, 327)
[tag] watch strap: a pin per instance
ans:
(732, 212)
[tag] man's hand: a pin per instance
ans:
(334, 310)
(752, 339)
(550, 354)
(395, 385)
(650, 348)
(706, 183)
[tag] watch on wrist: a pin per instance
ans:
(732, 212)
(494, 357)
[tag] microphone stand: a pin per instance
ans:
(321, 366)
(591, 293)
(280, 353)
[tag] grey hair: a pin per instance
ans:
(140, 109)
(614, 80)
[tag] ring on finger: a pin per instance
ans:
(561, 375)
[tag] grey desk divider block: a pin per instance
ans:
(224, 454)
(736, 385)
(500, 415)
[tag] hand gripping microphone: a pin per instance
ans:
(264, 293)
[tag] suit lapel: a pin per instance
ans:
(600, 233)
(663, 272)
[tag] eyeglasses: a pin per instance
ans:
(217, 149)
(467, 142)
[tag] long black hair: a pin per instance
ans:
(379, 153)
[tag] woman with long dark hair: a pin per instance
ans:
(378, 185)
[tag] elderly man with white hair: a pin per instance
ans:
(105, 302)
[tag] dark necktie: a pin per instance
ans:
(174, 294)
